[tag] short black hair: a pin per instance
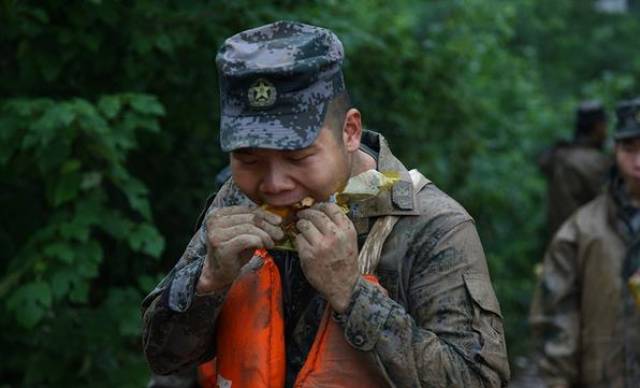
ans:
(336, 113)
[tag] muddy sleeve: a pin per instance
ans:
(451, 332)
(555, 315)
(178, 324)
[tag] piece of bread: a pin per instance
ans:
(289, 219)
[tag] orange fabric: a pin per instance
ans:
(207, 374)
(250, 330)
(332, 362)
(251, 347)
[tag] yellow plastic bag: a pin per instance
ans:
(367, 185)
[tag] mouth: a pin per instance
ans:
(289, 219)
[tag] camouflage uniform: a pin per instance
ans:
(440, 324)
(576, 173)
(586, 315)
(583, 308)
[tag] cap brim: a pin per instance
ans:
(628, 134)
(277, 132)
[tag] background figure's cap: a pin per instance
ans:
(589, 112)
(628, 114)
(276, 82)
(588, 115)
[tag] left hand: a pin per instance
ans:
(328, 250)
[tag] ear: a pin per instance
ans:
(352, 130)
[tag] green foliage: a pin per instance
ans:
(108, 149)
(69, 157)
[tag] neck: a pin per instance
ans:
(362, 162)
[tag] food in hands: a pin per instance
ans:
(359, 188)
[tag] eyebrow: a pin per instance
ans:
(244, 151)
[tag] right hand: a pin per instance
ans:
(233, 234)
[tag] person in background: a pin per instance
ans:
(588, 316)
(576, 171)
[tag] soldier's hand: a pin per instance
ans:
(328, 250)
(233, 234)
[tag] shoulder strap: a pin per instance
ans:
(369, 256)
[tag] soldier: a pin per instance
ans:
(287, 122)
(586, 316)
(576, 171)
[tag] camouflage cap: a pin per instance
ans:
(275, 85)
(628, 114)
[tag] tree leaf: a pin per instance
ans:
(66, 188)
(60, 250)
(109, 106)
(30, 303)
(145, 238)
(147, 104)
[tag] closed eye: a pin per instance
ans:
(299, 158)
(245, 159)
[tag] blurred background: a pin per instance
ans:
(108, 143)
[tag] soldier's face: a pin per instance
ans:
(282, 178)
(628, 160)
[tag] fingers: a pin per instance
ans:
(270, 223)
(226, 235)
(240, 243)
(308, 230)
(328, 218)
(231, 210)
(272, 218)
(242, 214)
(319, 219)
(304, 249)
(231, 217)
(246, 210)
(258, 220)
(334, 212)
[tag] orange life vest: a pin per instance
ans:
(251, 348)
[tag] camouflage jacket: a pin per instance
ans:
(576, 174)
(583, 311)
(440, 325)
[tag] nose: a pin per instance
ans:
(276, 180)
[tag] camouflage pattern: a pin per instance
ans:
(628, 115)
(275, 84)
(439, 326)
(583, 312)
(576, 173)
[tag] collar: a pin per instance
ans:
(625, 216)
(400, 200)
